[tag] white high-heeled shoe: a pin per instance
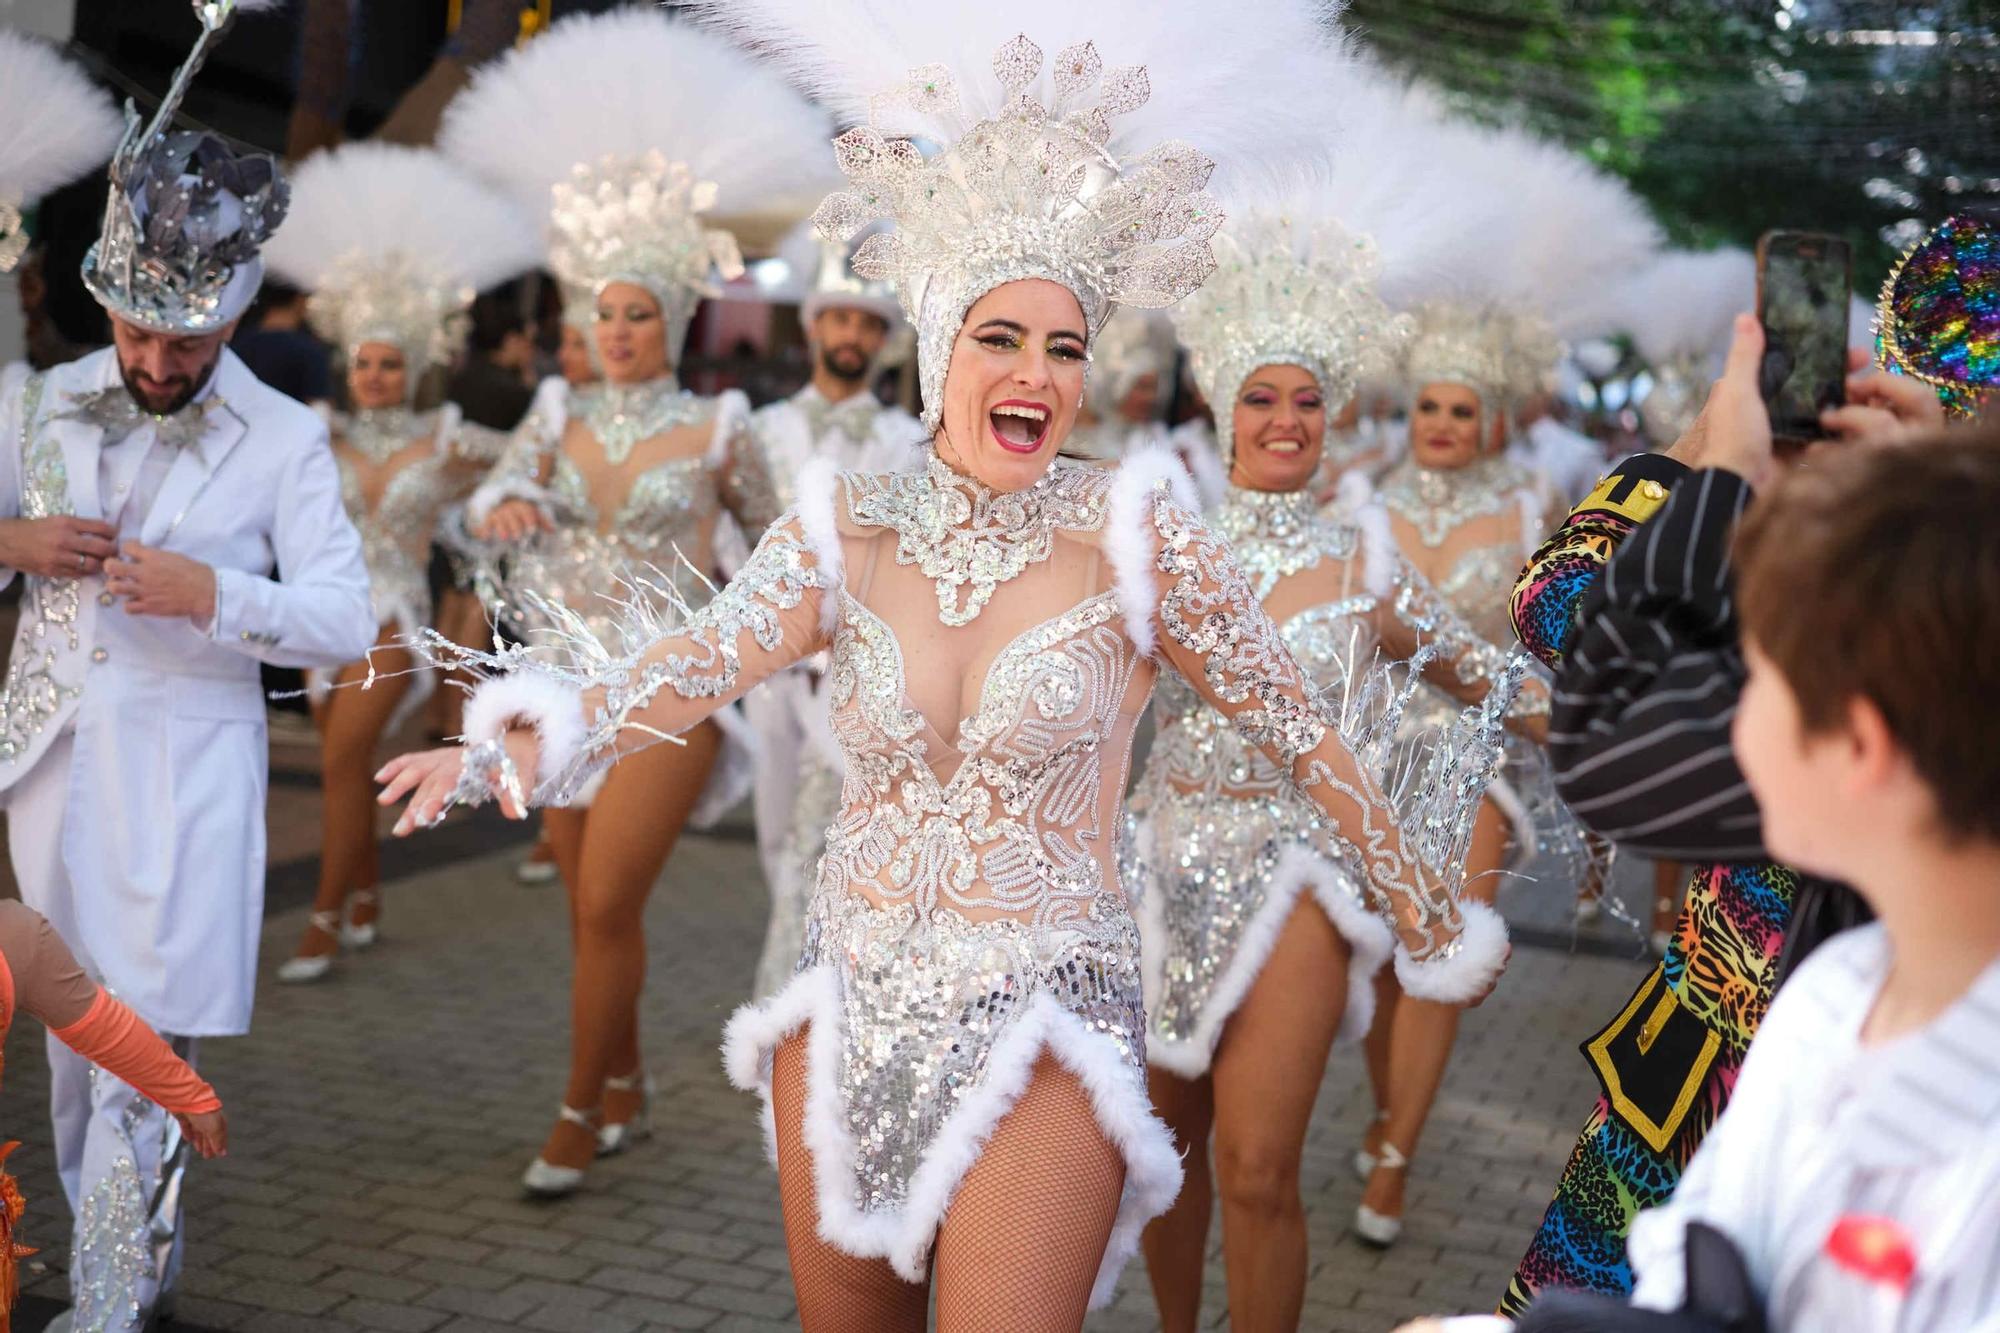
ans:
(1381, 1229)
(306, 967)
(614, 1139)
(351, 935)
(545, 1180)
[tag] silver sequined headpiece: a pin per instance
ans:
(1288, 292)
(1460, 344)
(187, 214)
(1031, 191)
(638, 220)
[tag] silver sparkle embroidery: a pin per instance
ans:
(31, 695)
(622, 416)
(379, 434)
(113, 411)
(969, 539)
(396, 533)
(1276, 534)
(1437, 500)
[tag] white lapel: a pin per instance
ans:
(194, 468)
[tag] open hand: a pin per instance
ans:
(63, 547)
(513, 521)
(429, 777)
(208, 1131)
(159, 583)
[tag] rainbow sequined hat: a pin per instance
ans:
(1938, 317)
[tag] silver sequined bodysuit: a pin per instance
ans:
(399, 470)
(1219, 841)
(990, 657)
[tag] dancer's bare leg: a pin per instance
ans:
(627, 835)
(462, 619)
(1423, 1031)
(1025, 1236)
(1267, 1076)
(1175, 1242)
(351, 721)
(837, 1293)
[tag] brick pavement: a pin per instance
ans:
(379, 1123)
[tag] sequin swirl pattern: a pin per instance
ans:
(30, 693)
(396, 533)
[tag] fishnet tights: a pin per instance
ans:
(1020, 1245)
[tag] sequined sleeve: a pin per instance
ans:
(592, 703)
(1566, 565)
(524, 462)
(1465, 663)
(1215, 633)
(748, 491)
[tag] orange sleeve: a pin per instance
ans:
(112, 1037)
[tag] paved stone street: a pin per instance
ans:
(379, 1123)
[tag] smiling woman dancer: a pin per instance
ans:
(393, 243)
(623, 115)
(954, 1076)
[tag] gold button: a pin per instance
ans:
(100, 656)
(246, 636)
(105, 599)
(1652, 490)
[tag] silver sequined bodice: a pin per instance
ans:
(1479, 581)
(396, 533)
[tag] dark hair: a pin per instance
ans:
(1876, 573)
(496, 314)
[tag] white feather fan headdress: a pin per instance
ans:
(1678, 310)
(629, 127)
(54, 126)
(997, 163)
(393, 243)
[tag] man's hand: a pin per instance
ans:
(513, 521)
(1884, 409)
(1734, 430)
(57, 548)
(160, 583)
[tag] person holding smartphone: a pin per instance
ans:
(1632, 601)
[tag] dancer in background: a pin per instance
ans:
(1260, 935)
(956, 1066)
(851, 327)
(628, 479)
(392, 243)
(175, 523)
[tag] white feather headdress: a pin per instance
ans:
(626, 129)
(997, 163)
(54, 126)
(393, 243)
(1678, 310)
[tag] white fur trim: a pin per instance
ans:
(1298, 872)
(732, 413)
(817, 483)
(553, 708)
(490, 495)
(905, 1237)
(1130, 541)
(1467, 974)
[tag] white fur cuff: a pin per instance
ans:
(1130, 541)
(818, 480)
(490, 495)
(1472, 968)
(552, 708)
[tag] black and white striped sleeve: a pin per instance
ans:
(1639, 729)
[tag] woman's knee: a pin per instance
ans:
(611, 914)
(1258, 1174)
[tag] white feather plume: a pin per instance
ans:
(374, 199)
(55, 125)
(258, 6)
(631, 82)
(1682, 303)
(1228, 78)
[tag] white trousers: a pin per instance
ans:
(121, 1158)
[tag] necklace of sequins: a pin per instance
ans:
(1437, 500)
(113, 411)
(620, 416)
(378, 434)
(1276, 534)
(969, 539)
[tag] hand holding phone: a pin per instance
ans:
(1804, 283)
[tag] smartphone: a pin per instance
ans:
(1803, 284)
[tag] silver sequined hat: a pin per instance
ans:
(650, 146)
(1288, 291)
(997, 162)
(187, 214)
(54, 126)
(393, 243)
